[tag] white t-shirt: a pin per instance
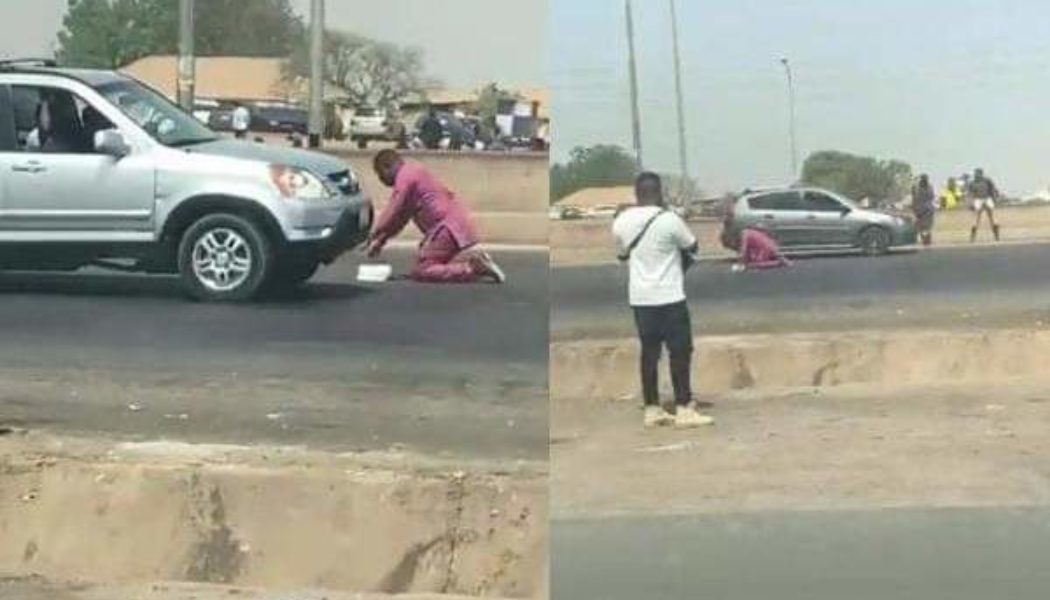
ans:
(241, 119)
(656, 275)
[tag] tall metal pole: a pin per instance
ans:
(316, 72)
(683, 157)
(791, 117)
(636, 117)
(187, 68)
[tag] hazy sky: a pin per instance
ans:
(466, 42)
(947, 85)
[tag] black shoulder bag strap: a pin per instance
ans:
(626, 254)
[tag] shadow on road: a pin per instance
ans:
(158, 287)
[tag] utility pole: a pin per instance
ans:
(791, 118)
(683, 158)
(636, 118)
(187, 67)
(316, 72)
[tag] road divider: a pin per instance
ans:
(268, 518)
(608, 369)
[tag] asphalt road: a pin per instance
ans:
(369, 360)
(980, 285)
(972, 554)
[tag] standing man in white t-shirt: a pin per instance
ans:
(241, 120)
(655, 241)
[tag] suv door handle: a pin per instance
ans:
(29, 167)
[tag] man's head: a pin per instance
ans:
(978, 174)
(924, 180)
(649, 189)
(386, 164)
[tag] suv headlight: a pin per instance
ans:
(298, 184)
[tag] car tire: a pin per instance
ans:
(874, 241)
(224, 258)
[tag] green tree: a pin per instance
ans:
(858, 177)
(373, 73)
(596, 166)
(112, 33)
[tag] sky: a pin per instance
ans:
(508, 49)
(947, 85)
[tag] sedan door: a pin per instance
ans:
(827, 220)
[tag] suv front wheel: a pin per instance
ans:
(224, 258)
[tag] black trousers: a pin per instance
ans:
(660, 326)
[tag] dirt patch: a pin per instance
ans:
(267, 517)
(599, 370)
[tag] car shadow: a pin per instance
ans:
(159, 287)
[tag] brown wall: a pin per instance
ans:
(508, 193)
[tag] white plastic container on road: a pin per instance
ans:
(374, 273)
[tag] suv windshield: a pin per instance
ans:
(161, 118)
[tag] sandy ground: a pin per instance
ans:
(588, 242)
(33, 588)
(847, 448)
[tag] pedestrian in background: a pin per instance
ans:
(241, 121)
(924, 205)
(951, 197)
(448, 252)
(656, 243)
(983, 195)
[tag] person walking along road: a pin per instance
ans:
(657, 245)
(448, 252)
(983, 195)
(924, 205)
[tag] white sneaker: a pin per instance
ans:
(688, 417)
(656, 416)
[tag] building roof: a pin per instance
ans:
(228, 78)
(461, 96)
(598, 197)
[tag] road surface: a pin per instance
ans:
(962, 554)
(453, 369)
(943, 287)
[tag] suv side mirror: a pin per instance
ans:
(112, 143)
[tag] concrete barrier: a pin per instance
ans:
(126, 515)
(608, 370)
(508, 192)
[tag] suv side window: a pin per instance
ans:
(56, 121)
(776, 201)
(8, 142)
(818, 202)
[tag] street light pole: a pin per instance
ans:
(791, 117)
(636, 119)
(316, 125)
(187, 68)
(683, 158)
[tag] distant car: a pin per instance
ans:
(370, 125)
(814, 219)
(280, 119)
(456, 133)
(220, 118)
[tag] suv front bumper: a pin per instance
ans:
(350, 231)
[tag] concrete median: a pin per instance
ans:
(605, 370)
(277, 519)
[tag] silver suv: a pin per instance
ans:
(815, 219)
(99, 169)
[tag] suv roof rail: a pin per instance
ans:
(11, 63)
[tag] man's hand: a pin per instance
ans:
(375, 247)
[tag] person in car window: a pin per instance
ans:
(652, 240)
(58, 129)
(448, 252)
(983, 195)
